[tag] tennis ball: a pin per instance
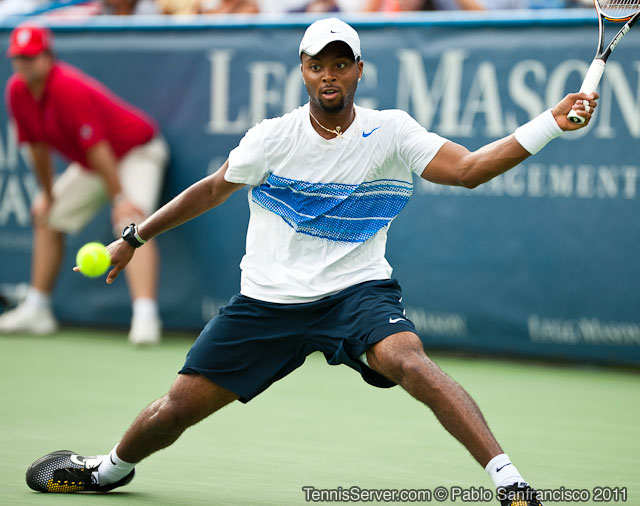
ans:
(93, 259)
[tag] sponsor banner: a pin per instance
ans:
(542, 261)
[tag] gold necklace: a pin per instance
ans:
(337, 132)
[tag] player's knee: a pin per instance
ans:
(412, 367)
(418, 372)
(173, 416)
(402, 369)
(190, 399)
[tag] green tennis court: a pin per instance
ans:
(321, 427)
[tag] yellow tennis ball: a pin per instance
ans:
(93, 259)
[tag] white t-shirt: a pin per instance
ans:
(320, 209)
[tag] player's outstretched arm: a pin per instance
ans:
(456, 165)
(207, 193)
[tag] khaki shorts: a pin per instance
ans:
(79, 194)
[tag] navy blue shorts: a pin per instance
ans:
(251, 343)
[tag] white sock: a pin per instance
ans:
(502, 471)
(145, 307)
(37, 299)
(112, 468)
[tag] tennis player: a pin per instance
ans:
(118, 156)
(326, 180)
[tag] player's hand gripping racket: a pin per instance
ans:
(617, 11)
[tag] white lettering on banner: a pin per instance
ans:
(441, 324)
(446, 89)
(219, 107)
(17, 188)
(583, 331)
(484, 97)
(9, 150)
(434, 94)
(522, 95)
(292, 91)
(16, 241)
(262, 95)
(13, 201)
(619, 88)
(536, 180)
(271, 88)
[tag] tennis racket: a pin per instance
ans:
(617, 11)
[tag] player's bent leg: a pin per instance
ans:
(190, 399)
(401, 358)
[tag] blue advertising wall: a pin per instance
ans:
(542, 261)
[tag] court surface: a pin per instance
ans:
(320, 427)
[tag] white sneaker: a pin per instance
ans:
(145, 330)
(27, 319)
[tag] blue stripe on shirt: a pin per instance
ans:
(334, 211)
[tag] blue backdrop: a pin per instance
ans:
(542, 261)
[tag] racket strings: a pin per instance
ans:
(618, 9)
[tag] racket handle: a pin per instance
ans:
(589, 85)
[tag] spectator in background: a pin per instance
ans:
(118, 155)
(76, 11)
(318, 6)
(352, 5)
(381, 6)
(50, 9)
(179, 7)
(129, 7)
(425, 5)
(277, 6)
(16, 7)
(415, 5)
(229, 7)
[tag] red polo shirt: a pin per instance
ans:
(74, 113)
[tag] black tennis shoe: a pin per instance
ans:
(518, 494)
(65, 472)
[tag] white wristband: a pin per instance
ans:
(138, 238)
(534, 135)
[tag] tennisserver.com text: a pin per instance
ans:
(459, 494)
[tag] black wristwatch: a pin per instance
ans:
(130, 234)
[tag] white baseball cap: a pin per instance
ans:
(325, 31)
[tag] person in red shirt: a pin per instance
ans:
(117, 155)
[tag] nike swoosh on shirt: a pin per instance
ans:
(395, 320)
(365, 134)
